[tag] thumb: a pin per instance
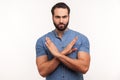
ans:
(72, 50)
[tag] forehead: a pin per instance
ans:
(60, 11)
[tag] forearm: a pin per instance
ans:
(81, 64)
(74, 64)
(47, 67)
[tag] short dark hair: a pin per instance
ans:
(60, 5)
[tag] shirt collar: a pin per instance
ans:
(65, 32)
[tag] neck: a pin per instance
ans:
(60, 33)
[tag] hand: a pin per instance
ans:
(69, 48)
(51, 46)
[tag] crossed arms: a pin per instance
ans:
(45, 66)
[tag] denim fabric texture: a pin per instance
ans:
(62, 72)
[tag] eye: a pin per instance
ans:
(57, 16)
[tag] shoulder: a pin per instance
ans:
(80, 35)
(42, 38)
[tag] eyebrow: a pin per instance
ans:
(61, 16)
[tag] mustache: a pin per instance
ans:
(61, 24)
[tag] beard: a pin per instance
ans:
(61, 26)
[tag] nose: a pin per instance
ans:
(61, 20)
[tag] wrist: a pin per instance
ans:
(58, 55)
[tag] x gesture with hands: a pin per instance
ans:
(79, 64)
(67, 50)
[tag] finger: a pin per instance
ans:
(74, 41)
(48, 40)
(76, 38)
(72, 50)
(46, 44)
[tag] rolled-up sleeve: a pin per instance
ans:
(40, 50)
(85, 45)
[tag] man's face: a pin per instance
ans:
(61, 18)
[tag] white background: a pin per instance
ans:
(22, 22)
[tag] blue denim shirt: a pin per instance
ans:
(62, 72)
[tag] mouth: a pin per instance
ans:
(61, 24)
